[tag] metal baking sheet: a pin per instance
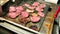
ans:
(5, 11)
(39, 24)
(54, 8)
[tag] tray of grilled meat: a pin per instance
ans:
(27, 13)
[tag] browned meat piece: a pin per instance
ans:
(20, 8)
(34, 27)
(39, 9)
(12, 15)
(12, 9)
(34, 18)
(28, 6)
(24, 14)
(36, 4)
(41, 14)
(24, 20)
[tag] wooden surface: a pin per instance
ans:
(50, 19)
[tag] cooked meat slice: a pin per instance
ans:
(39, 9)
(41, 14)
(12, 15)
(19, 8)
(36, 4)
(24, 14)
(34, 27)
(35, 18)
(12, 9)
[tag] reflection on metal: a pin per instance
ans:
(13, 28)
(52, 1)
(13, 0)
(18, 29)
(59, 20)
(3, 2)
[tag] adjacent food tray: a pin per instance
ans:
(20, 2)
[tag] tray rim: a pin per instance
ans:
(1, 18)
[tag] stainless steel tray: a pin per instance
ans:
(6, 6)
(12, 22)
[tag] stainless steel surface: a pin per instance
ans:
(59, 23)
(58, 17)
(2, 2)
(55, 29)
(16, 30)
(6, 31)
(52, 1)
